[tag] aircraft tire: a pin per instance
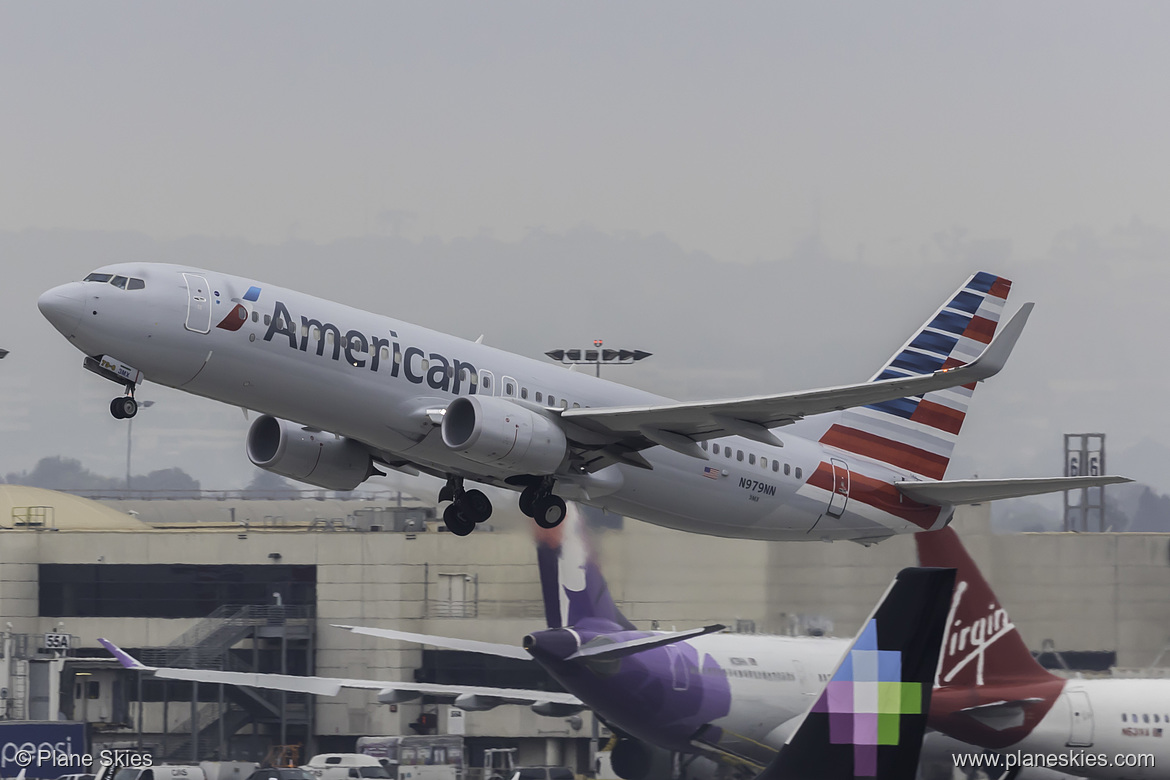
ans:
(116, 409)
(549, 511)
(127, 407)
(475, 505)
(456, 523)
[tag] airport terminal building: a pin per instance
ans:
(259, 585)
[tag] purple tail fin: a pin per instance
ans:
(571, 583)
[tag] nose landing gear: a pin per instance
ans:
(468, 507)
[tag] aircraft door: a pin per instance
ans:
(678, 669)
(198, 304)
(840, 496)
(1080, 712)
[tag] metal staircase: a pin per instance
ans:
(212, 643)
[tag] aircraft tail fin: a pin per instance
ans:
(571, 582)
(982, 646)
(869, 720)
(989, 690)
(918, 434)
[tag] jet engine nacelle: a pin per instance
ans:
(632, 759)
(497, 432)
(321, 459)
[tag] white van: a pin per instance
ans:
(161, 772)
(345, 766)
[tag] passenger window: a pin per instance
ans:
(564, 404)
(487, 383)
(385, 350)
(119, 282)
(97, 278)
(255, 314)
(524, 393)
(751, 459)
(136, 284)
(715, 448)
(727, 452)
(539, 397)
(267, 319)
(1123, 720)
(1145, 718)
(775, 465)
(787, 469)
(703, 445)
(798, 475)
(576, 405)
(552, 401)
(739, 455)
(509, 389)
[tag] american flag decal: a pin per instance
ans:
(710, 473)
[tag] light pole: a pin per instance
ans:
(597, 356)
(130, 439)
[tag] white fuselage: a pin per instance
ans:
(1123, 723)
(376, 379)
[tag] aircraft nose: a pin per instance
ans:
(63, 306)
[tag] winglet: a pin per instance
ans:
(124, 658)
(992, 360)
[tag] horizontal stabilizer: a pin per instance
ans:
(973, 491)
(1002, 715)
(469, 645)
(631, 646)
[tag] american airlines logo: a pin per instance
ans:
(361, 351)
(967, 643)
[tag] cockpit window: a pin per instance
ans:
(121, 282)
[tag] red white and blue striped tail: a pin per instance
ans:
(918, 434)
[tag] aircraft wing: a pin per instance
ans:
(972, 491)
(474, 696)
(679, 425)
(470, 645)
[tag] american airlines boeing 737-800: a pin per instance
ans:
(343, 392)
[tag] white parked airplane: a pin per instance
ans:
(343, 391)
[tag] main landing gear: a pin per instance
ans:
(538, 502)
(124, 406)
(468, 507)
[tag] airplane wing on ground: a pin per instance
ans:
(391, 691)
(973, 491)
(679, 426)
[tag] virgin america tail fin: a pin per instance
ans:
(869, 720)
(571, 583)
(917, 434)
(990, 691)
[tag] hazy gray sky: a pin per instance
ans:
(768, 196)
